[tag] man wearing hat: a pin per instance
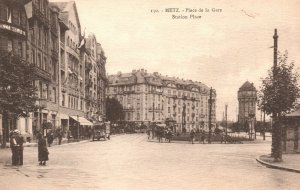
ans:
(14, 148)
(20, 142)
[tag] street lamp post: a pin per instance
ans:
(226, 106)
(153, 111)
(78, 128)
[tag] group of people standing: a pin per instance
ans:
(16, 145)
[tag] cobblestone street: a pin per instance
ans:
(130, 162)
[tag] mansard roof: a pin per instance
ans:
(142, 77)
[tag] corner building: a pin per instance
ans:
(149, 98)
(13, 39)
(48, 35)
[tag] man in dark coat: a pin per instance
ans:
(14, 148)
(42, 151)
(50, 138)
(59, 136)
(20, 142)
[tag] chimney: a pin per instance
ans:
(142, 70)
(133, 71)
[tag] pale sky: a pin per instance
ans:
(222, 50)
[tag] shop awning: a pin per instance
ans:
(82, 120)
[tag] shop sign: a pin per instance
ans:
(12, 29)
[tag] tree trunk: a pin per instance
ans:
(276, 151)
(4, 128)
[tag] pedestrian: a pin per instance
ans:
(43, 153)
(69, 135)
(59, 135)
(202, 136)
(14, 148)
(50, 137)
(169, 135)
(222, 137)
(148, 133)
(153, 127)
(192, 135)
(20, 142)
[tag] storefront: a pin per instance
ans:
(80, 127)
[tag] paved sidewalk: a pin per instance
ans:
(291, 162)
(55, 142)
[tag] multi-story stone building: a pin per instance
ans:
(247, 97)
(43, 36)
(48, 35)
(72, 68)
(95, 77)
(155, 98)
(13, 39)
(101, 81)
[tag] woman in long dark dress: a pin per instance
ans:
(42, 151)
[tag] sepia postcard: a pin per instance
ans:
(149, 95)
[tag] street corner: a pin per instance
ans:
(268, 161)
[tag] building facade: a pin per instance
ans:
(13, 39)
(96, 80)
(155, 98)
(247, 97)
(43, 38)
(71, 74)
(48, 35)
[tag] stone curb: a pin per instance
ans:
(269, 165)
(63, 143)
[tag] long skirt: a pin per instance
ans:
(43, 154)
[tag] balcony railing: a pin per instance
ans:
(128, 92)
(155, 91)
(62, 45)
(42, 73)
(54, 53)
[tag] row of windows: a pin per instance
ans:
(46, 93)
(155, 88)
(11, 46)
(130, 116)
(72, 44)
(73, 28)
(13, 15)
(72, 102)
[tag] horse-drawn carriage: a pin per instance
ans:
(162, 131)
